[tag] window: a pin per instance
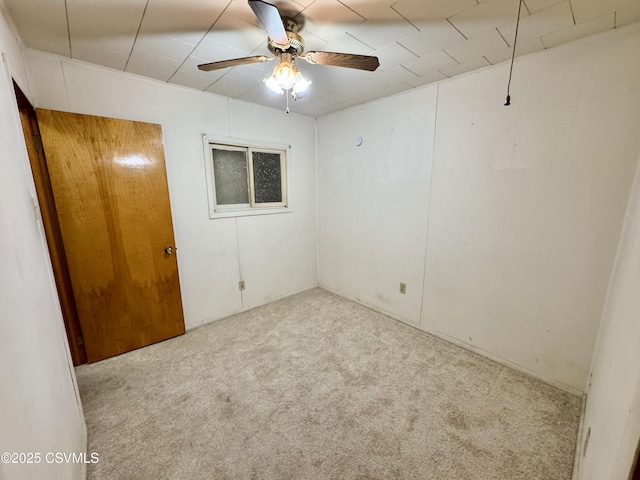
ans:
(246, 180)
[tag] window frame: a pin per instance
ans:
(283, 178)
(210, 142)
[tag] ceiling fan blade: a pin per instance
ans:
(269, 17)
(207, 67)
(360, 62)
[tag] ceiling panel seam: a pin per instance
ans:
(364, 18)
(197, 44)
(451, 23)
(133, 45)
(66, 14)
(573, 15)
(502, 36)
(404, 18)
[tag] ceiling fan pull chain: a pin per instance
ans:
(513, 55)
(287, 95)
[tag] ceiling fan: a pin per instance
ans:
(287, 45)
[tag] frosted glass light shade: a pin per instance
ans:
(285, 75)
(273, 85)
(301, 85)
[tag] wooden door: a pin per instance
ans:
(110, 188)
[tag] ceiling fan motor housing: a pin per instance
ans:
(296, 42)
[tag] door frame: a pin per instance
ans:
(635, 469)
(51, 226)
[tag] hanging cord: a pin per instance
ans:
(513, 55)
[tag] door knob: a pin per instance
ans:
(168, 250)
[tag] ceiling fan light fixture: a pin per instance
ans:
(301, 85)
(273, 85)
(285, 75)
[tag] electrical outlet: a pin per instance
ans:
(241, 285)
(403, 288)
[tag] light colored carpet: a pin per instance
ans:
(317, 387)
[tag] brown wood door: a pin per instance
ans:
(110, 188)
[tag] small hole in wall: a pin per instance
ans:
(586, 442)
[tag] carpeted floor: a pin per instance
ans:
(317, 387)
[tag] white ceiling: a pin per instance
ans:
(417, 41)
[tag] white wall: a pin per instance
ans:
(39, 410)
(506, 230)
(373, 200)
(274, 254)
(613, 402)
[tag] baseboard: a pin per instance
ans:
(376, 308)
(461, 344)
(505, 362)
(246, 309)
(85, 446)
(579, 441)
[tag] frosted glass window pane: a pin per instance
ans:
(267, 177)
(230, 174)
